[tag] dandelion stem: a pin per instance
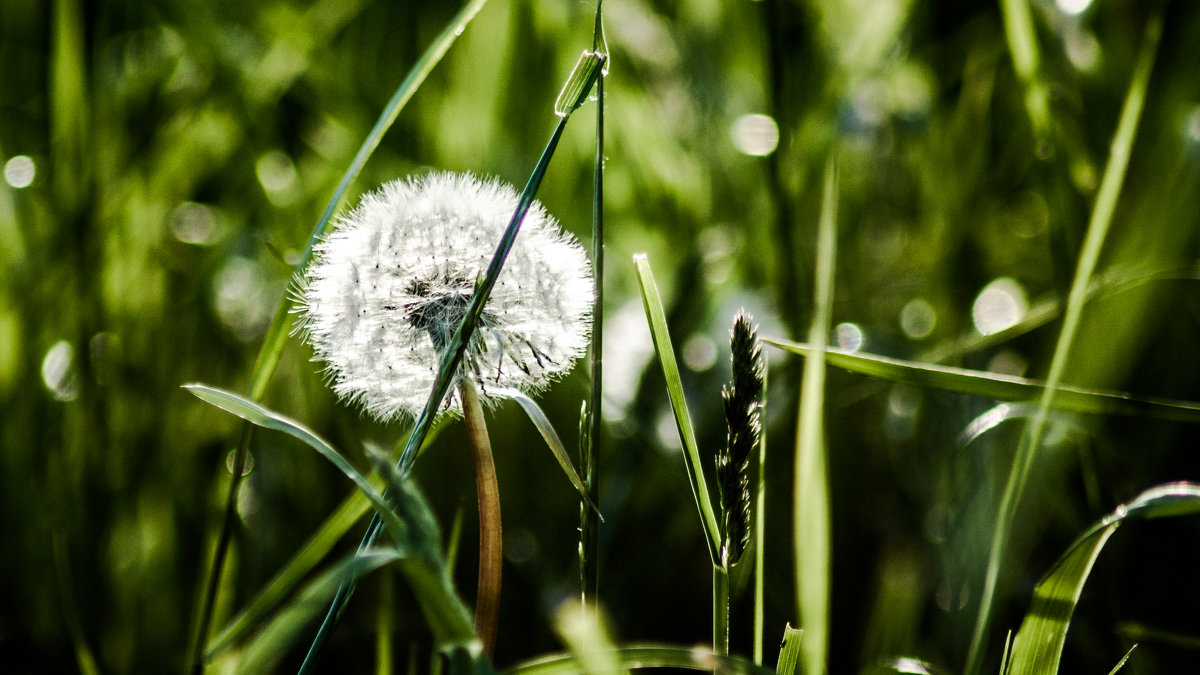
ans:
(491, 555)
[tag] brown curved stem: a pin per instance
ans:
(491, 554)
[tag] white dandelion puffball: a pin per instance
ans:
(389, 286)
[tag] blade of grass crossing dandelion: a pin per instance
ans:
(462, 335)
(277, 332)
(656, 317)
(1037, 648)
(810, 510)
(1098, 226)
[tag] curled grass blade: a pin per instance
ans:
(1037, 648)
(811, 538)
(657, 318)
(998, 386)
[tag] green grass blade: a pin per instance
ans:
(308, 557)
(258, 415)
(427, 568)
(644, 656)
(1038, 645)
(546, 429)
(1124, 659)
(589, 530)
(998, 386)
(760, 534)
(811, 502)
(657, 318)
(1101, 220)
(789, 651)
(273, 641)
(1023, 46)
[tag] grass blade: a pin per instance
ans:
(810, 507)
(308, 557)
(260, 416)
(1101, 220)
(998, 386)
(263, 652)
(1038, 645)
(1123, 661)
(656, 317)
(546, 429)
(789, 651)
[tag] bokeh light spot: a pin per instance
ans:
(918, 318)
(699, 352)
(279, 178)
(58, 371)
(194, 223)
(19, 171)
(755, 134)
(1000, 305)
(849, 336)
(1073, 7)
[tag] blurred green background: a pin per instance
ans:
(164, 163)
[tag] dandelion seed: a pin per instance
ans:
(389, 287)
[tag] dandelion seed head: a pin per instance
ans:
(389, 286)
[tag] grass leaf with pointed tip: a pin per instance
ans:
(546, 429)
(657, 318)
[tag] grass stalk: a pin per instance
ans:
(1098, 226)
(811, 502)
(721, 609)
(760, 535)
(491, 537)
(590, 527)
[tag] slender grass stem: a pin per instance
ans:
(590, 527)
(720, 610)
(811, 502)
(491, 553)
(760, 534)
(1101, 219)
